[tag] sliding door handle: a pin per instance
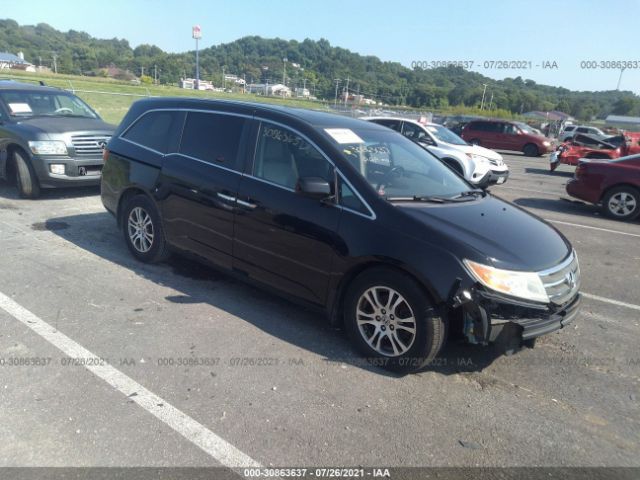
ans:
(247, 204)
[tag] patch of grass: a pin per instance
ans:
(112, 98)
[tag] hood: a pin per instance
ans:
(66, 125)
(509, 237)
(478, 150)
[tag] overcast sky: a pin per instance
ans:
(541, 32)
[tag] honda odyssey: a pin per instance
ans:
(342, 214)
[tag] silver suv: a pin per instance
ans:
(49, 138)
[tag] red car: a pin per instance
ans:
(506, 135)
(587, 146)
(613, 184)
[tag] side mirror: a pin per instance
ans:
(313, 187)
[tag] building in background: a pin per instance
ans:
(623, 122)
(15, 62)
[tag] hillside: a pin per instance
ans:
(318, 64)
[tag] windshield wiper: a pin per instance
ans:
(421, 198)
(470, 193)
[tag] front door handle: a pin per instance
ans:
(228, 198)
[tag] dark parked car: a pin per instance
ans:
(613, 184)
(341, 214)
(48, 138)
(505, 135)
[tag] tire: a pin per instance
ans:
(622, 203)
(26, 180)
(454, 165)
(474, 141)
(530, 150)
(143, 231)
(383, 338)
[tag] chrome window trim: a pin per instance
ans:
(372, 215)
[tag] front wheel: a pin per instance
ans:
(143, 232)
(530, 150)
(391, 321)
(622, 203)
(26, 180)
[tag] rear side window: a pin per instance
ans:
(391, 123)
(154, 130)
(484, 127)
(212, 138)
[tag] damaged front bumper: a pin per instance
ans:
(490, 318)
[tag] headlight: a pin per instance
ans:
(527, 285)
(478, 158)
(48, 147)
(546, 143)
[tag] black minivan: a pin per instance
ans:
(341, 214)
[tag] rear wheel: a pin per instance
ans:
(530, 150)
(390, 320)
(26, 180)
(622, 203)
(143, 232)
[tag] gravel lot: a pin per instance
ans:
(178, 330)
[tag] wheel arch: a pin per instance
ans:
(10, 165)
(456, 163)
(126, 195)
(606, 190)
(336, 304)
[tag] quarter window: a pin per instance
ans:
(282, 157)
(349, 199)
(154, 130)
(213, 138)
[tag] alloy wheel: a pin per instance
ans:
(386, 321)
(622, 204)
(140, 229)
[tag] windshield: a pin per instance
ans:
(51, 104)
(395, 166)
(445, 135)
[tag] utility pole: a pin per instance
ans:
(155, 74)
(346, 93)
(491, 101)
(284, 71)
(224, 80)
(620, 79)
(142, 71)
(483, 93)
(335, 102)
(196, 33)
(55, 62)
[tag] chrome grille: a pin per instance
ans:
(563, 281)
(89, 145)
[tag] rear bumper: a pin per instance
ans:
(578, 189)
(77, 172)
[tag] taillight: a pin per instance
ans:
(105, 155)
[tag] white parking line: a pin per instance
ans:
(611, 301)
(218, 448)
(593, 228)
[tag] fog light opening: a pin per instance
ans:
(57, 168)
